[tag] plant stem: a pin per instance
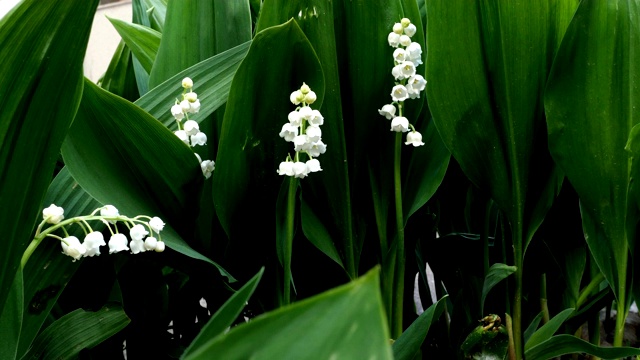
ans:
(589, 290)
(400, 253)
(517, 300)
(288, 248)
(621, 316)
(543, 299)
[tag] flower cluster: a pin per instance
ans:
(303, 130)
(139, 227)
(406, 57)
(189, 132)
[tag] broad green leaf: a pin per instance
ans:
(317, 233)
(408, 344)
(42, 44)
(533, 326)
(232, 23)
(497, 273)
(226, 314)
(120, 78)
(113, 151)
(157, 10)
(143, 41)
(188, 37)
(75, 331)
(11, 319)
(590, 101)
(547, 330)
(250, 148)
(347, 322)
(46, 283)
(213, 80)
(567, 344)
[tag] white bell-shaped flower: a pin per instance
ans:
(393, 39)
(195, 107)
(109, 211)
(414, 53)
(410, 30)
(400, 124)
(92, 243)
(300, 169)
(399, 55)
(388, 111)
(185, 105)
(399, 93)
(316, 118)
(414, 138)
(317, 148)
(53, 214)
(187, 83)
(408, 69)
(117, 243)
(301, 142)
(71, 246)
(150, 243)
(156, 224)
(313, 133)
(137, 246)
(138, 232)
(207, 167)
(289, 131)
(286, 168)
(405, 40)
(199, 139)
(176, 111)
(306, 113)
(182, 135)
(396, 71)
(313, 165)
(191, 127)
(160, 246)
(294, 119)
(417, 82)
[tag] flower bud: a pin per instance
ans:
(405, 22)
(160, 246)
(405, 40)
(397, 28)
(310, 98)
(304, 89)
(191, 97)
(187, 83)
(296, 97)
(150, 243)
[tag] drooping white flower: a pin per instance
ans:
(195, 107)
(92, 243)
(156, 224)
(138, 232)
(396, 71)
(310, 97)
(414, 138)
(301, 142)
(393, 39)
(117, 243)
(313, 165)
(182, 135)
(286, 168)
(405, 40)
(187, 83)
(400, 124)
(316, 118)
(410, 30)
(417, 82)
(408, 69)
(191, 127)
(296, 97)
(71, 246)
(397, 28)
(288, 132)
(53, 214)
(294, 119)
(207, 168)
(199, 139)
(306, 113)
(388, 111)
(185, 105)
(399, 55)
(414, 53)
(160, 246)
(137, 246)
(150, 243)
(300, 169)
(317, 148)
(191, 97)
(176, 111)
(109, 211)
(313, 133)
(399, 93)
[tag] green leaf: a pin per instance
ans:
(567, 344)
(112, 150)
(315, 231)
(497, 273)
(547, 330)
(75, 331)
(258, 103)
(120, 78)
(213, 78)
(590, 101)
(46, 283)
(11, 319)
(347, 322)
(226, 314)
(42, 45)
(157, 13)
(143, 41)
(533, 326)
(408, 344)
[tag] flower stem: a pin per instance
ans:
(400, 253)
(288, 248)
